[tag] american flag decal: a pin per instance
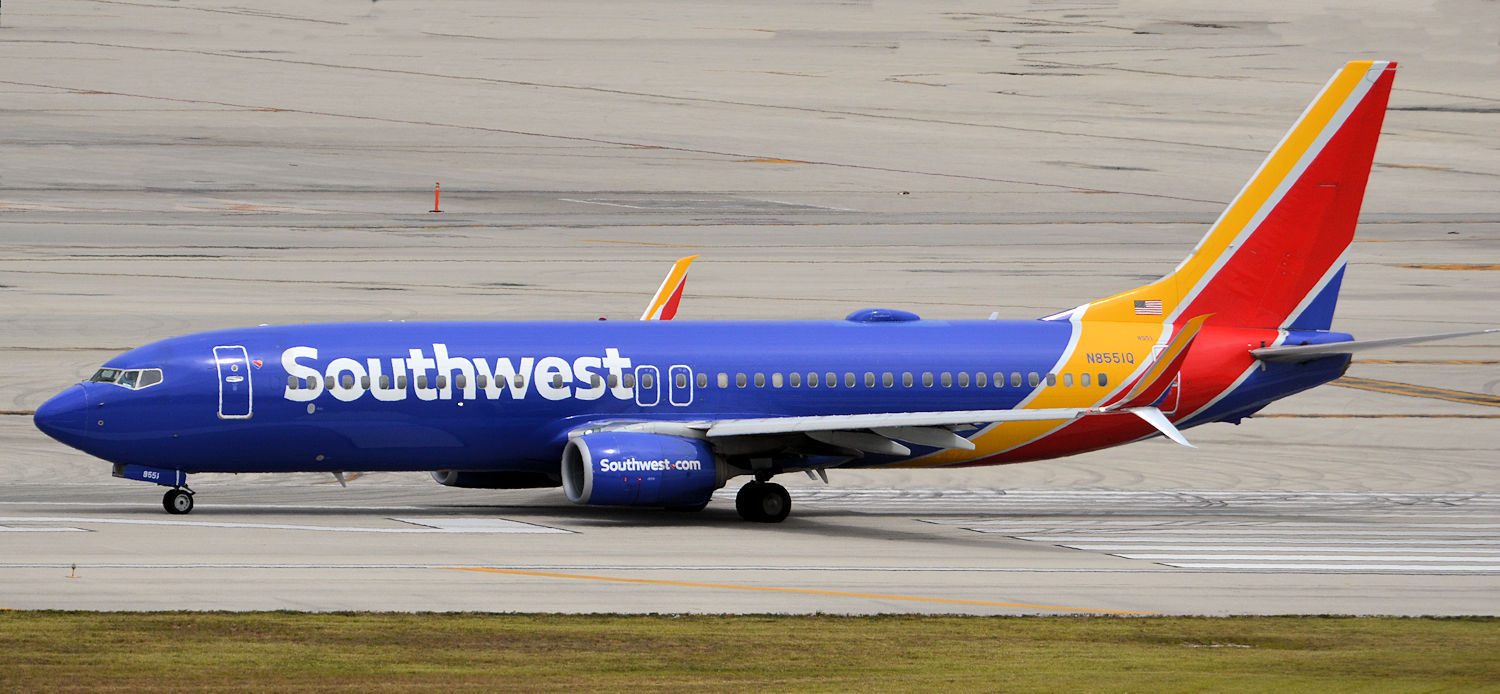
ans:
(1148, 307)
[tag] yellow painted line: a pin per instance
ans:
(1470, 362)
(800, 591)
(18, 412)
(643, 243)
(1449, 266)
(1419, 391)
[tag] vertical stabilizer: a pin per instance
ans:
(1275, 257)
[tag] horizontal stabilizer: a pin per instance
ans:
(1300, 353)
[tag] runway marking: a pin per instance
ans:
(1417, 391)
(1449, 266)
(1429, 362)
(482, 525)
(641, 243)
(23, 413)
(800, 591)
(457, 527)
(10, 529)
(1339, 567)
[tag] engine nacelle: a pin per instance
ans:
(476, 479)
(627, 468)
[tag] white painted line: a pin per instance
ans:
(481, 525)
(1423, 547)
(1303, 557)
(5, 529)
(1342, 567)
(1388, 532)
(1302, 540)
(601, 202)
(254, 526)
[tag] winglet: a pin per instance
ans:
(1154, 383)
(663, 306)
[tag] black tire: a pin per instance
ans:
(747, 501)
(177, 502)
(775, 503)
(763, 502)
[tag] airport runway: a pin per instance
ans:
(168, 168)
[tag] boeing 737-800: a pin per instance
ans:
(658, 413)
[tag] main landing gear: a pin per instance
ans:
(178, 501)
(763, 502)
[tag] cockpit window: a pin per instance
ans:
(134, 379)
(105, 376)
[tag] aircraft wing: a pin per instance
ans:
(881, 432)
(1299, 353)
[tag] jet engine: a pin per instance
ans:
(477, 479)
(626, 468)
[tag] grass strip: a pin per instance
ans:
(399, 652)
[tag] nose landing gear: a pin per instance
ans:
(178, 501)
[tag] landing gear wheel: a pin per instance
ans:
(177, 501)
(763, 502)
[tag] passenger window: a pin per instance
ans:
(926, 379)
(614, 380)
(629, 380)
(702, 380)
(1033, 379)
(832, 379)
(947, 380)
(422, 381)
(364, 382)
(648, 381)
(480, 380)
(869, 379)
(739, 380)
(1067, 380)
(520, 380)
(401, 382)
(906, 380)
(776, 380)
(796, 379)
(980, 379)
(999, 379)
(1103, 380)
(385, 382)
(1083, 380)
(1051, 379)
(812, 380)
(723, 380)
(328, 382)
(347, 380)
(760, 380)
(963, 379)
(293, 383)
(462, 381)
(849, 381)
(557, 381)
(888, 379)
(1015, 379)
(681, 380)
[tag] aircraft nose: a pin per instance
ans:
(62, 417)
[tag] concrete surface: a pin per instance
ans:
(171, 167)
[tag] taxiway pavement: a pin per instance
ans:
(168, 168)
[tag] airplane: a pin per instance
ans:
(660, 413)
